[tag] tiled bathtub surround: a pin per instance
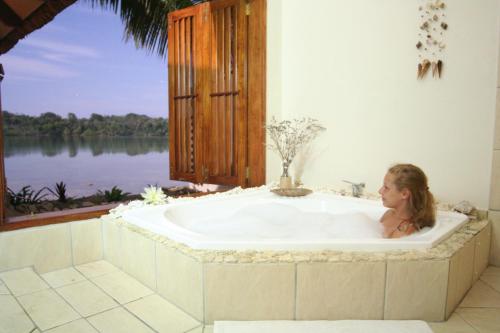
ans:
(250, 285)
(232, 285)
(51, 247)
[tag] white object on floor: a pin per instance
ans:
(323, 326)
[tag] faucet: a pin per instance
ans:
(357, 188)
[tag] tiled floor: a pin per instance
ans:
(479, 310)
(91, 298)
(98, 297)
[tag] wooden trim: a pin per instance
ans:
(257, 29)
(3, 187)
(186, 96)
(42, 219)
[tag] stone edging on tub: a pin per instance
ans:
(444, 250)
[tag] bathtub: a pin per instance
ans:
(261, 220)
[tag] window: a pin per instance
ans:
(217, 100)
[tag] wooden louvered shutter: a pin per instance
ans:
(226, 117)
(208, 61)
(185, 31)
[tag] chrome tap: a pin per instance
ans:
(357, 188)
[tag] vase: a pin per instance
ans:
(286, 182)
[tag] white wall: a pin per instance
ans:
(352, 65)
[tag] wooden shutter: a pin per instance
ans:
(208, 86)
(226, 118)
(185, 82)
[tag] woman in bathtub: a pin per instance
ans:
(406, 193)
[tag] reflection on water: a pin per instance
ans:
(87, 164)
(95, 145)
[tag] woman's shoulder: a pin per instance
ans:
(388, 213)
(405, 228)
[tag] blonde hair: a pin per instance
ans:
(421, 202)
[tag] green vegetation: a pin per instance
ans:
(145, 21)
(59, 192)
(116, 194)
(25, 196)
(52, 125)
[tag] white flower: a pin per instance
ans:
(154, 196)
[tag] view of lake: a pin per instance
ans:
(87, 164)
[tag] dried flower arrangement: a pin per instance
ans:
(432, 30)
(289, 136)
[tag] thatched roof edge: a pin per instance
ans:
(41, 16)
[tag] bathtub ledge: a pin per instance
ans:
(444, 250)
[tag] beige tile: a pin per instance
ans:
(63, 277)
(86, 298)
(497, 122)
(23, 281)
(138, 258)
(77, 326)
(481, 295)
(492, 280)
(495, 182)
(208, 329)
(12, 317)
(161, 315)
(455, 324)
(118, 321)
(180, 280)
(460, 276)
(340, 291)
(3, 289)
(112, 245)
(198, 329)
(404, 301)
(97, 268)
(86, 240)
(47, 309)
(498, 67)
(491, 270)
(483, 320)
(482, 252)
(121, 287)
(494, 217)
(46, 248)
(249, 291)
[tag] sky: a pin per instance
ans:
(80, 63)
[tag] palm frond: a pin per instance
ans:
(145, 20)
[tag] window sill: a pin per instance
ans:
(69, 215)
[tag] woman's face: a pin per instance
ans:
(391, 196)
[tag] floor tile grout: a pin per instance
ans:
(492, 287)
(193, 329)
(465, 321)
(139, 318)
(21, 306)
(129, 302)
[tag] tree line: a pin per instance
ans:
(53, 125)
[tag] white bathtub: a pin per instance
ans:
(261, 220)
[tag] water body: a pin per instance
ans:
(87, 165)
